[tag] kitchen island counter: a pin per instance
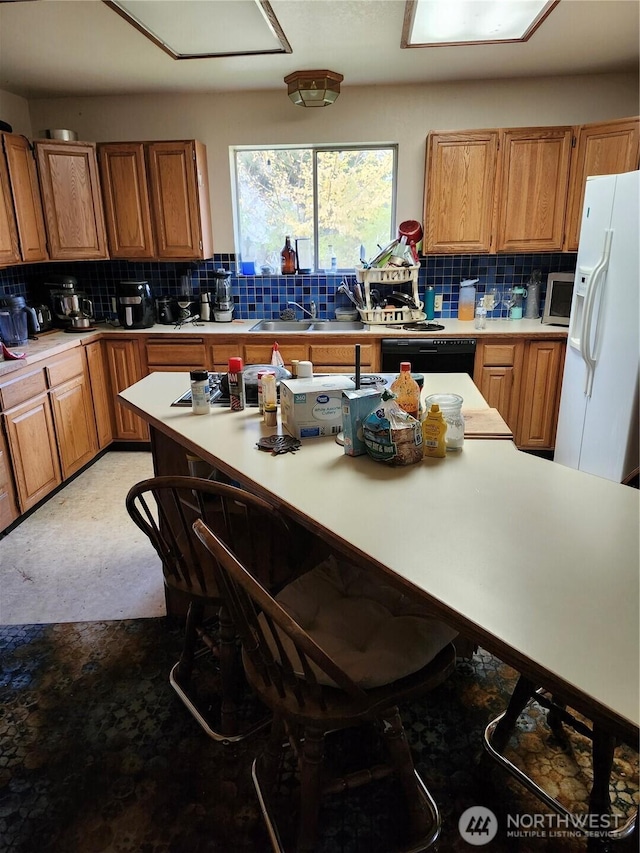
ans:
(537, 562)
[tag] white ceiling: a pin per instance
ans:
(55, 48)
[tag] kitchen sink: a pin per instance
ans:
(337, 326)
(281, 326)
(307, 326)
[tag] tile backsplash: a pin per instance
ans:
(258, 296)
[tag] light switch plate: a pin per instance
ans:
(437, 302)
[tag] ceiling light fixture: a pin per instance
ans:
(435, 23)
(313, 88)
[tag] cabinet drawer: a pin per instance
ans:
(340, 354)
(65, 367)
(261, 353)
(495, 355)
(22, 388)
(183, 353)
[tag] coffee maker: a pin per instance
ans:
(134, 304)
(71, 308)
(222, 300)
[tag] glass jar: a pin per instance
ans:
(451, 408)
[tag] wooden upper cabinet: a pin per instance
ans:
(26, 198)
(179, 186)
(532, 190)
(460, 191)
(608, 148)
(9, 248)
(125, 194)
(70, 187)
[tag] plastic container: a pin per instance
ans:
(200, 392)
(236, 384)
(467, 299)
(451, 407)
(429, 302)
(407, 391)
(515, 305)
(433, 433)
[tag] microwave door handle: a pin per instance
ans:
(587, 350)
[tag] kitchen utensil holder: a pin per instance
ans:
(390, 276)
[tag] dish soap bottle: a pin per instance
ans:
(433, 433)
(287, 258)
(407, 391)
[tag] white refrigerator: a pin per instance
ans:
(598, 417)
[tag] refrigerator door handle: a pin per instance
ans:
(587, 351)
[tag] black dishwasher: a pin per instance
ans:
(429, 355)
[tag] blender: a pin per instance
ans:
(223, 300)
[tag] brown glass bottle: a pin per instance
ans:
(287, 258)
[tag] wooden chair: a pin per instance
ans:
(604, 742)
(325, 655)
(164, 508)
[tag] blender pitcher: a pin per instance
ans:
(13, 326)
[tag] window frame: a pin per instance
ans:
(316, 150)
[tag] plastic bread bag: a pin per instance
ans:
(392, 435)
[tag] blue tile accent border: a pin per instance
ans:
(258, 296)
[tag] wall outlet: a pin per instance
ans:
(437, 302)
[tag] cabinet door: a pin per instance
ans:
(175, 199)
(602, 149)
(68, 173)
(100, 393)
(8, 505)
(340, 358)
(182, 355)
(26, 198)
(126, 200)
(498, 373)
(34, 453)
(540, 394)
(533, 186)
(460, 191)
(261, 353)
(9, 248)
(125, 369)
(74, 424)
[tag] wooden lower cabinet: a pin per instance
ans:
(74, 424)
(540, 397)
(34, 452)
(498, 371)
(8, 505)
(522, 379)
(100, 393)
(125, 369)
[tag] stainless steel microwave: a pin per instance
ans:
(557, 303)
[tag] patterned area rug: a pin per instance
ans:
(98, 754)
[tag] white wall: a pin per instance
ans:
(15, 111)
(402, 114)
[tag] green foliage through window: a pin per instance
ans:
(341, 198)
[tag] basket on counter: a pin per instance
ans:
(389, 276)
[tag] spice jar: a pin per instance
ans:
(451, 408)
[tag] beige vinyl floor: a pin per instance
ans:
(79, 557)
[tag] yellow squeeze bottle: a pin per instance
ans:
(433, 432)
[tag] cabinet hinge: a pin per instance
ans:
(200, 244)
(574, 141)
(193, 153)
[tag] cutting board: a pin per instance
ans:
(485, 423)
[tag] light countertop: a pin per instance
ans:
(53, 342)
(537, 561)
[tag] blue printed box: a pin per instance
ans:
(356, 405)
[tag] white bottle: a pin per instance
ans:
(200, 392)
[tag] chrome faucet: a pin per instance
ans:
(313, 312)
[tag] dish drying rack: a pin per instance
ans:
(389, 276)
